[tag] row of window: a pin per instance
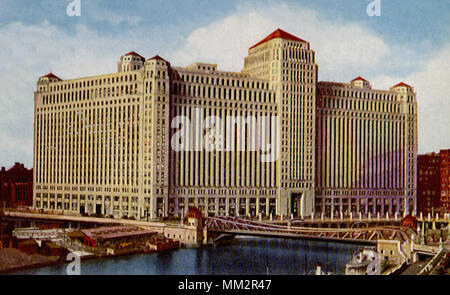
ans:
(68, 85)
(87, 94)
(364, 94)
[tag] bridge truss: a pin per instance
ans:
(232, 225)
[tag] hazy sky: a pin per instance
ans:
(409, 42)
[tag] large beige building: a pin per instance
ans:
(366, 149)
(111, 144)
(103, 144)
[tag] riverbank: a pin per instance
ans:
(12, 260)
(240, 256)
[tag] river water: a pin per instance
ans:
(241, 256)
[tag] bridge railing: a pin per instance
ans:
(425, 248)
(396, 269)
(432, 263)
(287, 229)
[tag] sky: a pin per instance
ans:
(408, 42)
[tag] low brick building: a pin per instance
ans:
(428, 183)
(16, 186)
(28, 246)
(433, 183)
(445, 180)
(114, 235)
(49, 248)
(409, 221)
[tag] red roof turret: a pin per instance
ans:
(50, 75)
(401, 84)
(158, 58)
(359, 78)
(135, 54)
(409, 221)
(278, 34)
(194, 212)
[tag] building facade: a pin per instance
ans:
(428, 184)
(445, 180)
(153, 140)
(103, 144)
(16, 186)
(366, 149)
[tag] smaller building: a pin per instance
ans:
(194, 217)
(5, 233)
(116, 235)
(194, 212)
(390, 251)
(28, 246)
(445, 180)
(16, 186)
(193, 233)
(409, 221)
(49, 248)
(428, 184)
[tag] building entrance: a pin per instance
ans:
(296, 204)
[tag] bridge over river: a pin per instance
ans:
(357, 231)
(372, 232)
(238, 226)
